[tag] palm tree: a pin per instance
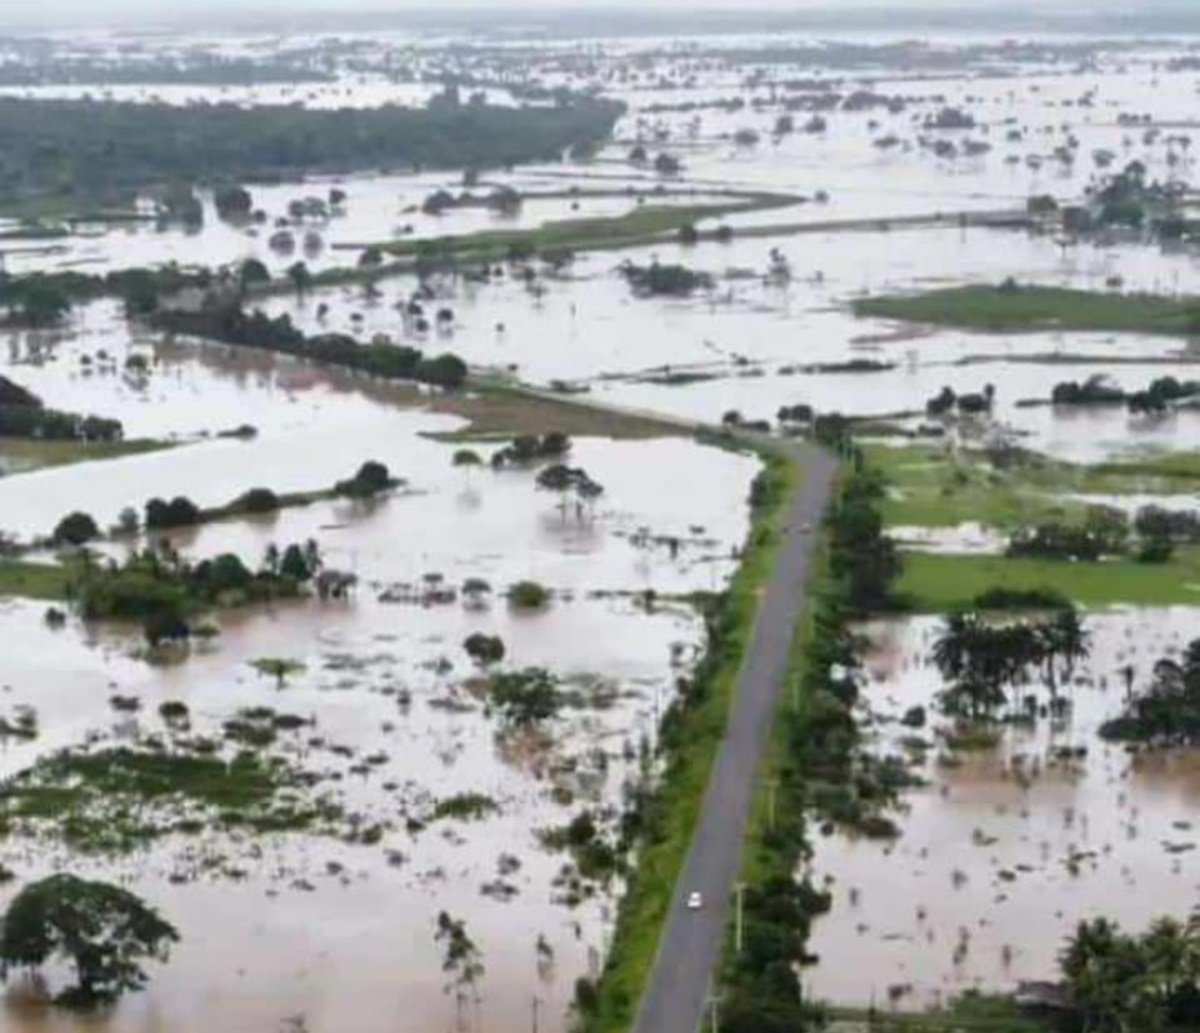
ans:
(1172, 957)
(300, 276)
(953, 648)
(1127, 673)
(312, 555)
(1086, 964)
(1073, 640)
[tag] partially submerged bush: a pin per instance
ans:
(528, 595)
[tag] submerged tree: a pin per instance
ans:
(105, 932)
(1168, 711)
(277, 668)
(462, 962)
(981, 659)
(485, 650)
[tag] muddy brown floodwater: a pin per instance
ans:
(999, 855)
(303, 926)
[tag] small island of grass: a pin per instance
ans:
(1010, 306)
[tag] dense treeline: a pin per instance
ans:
(22, 415)
(982, 659)
(863, 559)
(230, 324)
(1158, 397)
(196, 70)
(162, 591)
(1106, 531)
(43, 299)
(99, 149)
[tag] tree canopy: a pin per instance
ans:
(98, 149)
(105, 932)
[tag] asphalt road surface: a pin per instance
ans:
(676, 1001)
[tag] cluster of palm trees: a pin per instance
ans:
(981, 659)
(1168, 711)
(1121, 983)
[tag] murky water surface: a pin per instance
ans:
(342, 934)
(1003, 853)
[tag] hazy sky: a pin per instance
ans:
(120, 13)
(160, 9)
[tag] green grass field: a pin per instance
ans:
(936, 583)
(644, 225)
(990, 307)
(22, 455)
(34, 580)
(932, 487)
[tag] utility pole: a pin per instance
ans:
(714, 1001)
(536, 1003)
(739, 926)
(772, 787)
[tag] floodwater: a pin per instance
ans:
(304, 932)
(1000, 856)
(356, 947)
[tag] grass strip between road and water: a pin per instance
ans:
(692, 733)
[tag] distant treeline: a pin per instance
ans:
(229, 324)
(205, 70)
(22, 415)
(98, 149)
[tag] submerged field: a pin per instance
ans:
(1004, 846)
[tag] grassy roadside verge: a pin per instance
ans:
(691, 735)
(817, 774)
(1008, 307)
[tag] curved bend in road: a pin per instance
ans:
(691, 943)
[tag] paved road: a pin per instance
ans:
(676, 998)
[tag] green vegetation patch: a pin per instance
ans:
(35, 580)
(465, 807)
(115, 799)
(1014, 307)
(930, 486)
(644, 225)
(22, 455)
(937, 583)
(499, 410)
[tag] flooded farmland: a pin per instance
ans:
(478, 446)
(1004, 849)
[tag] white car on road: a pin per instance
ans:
(694, 901)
